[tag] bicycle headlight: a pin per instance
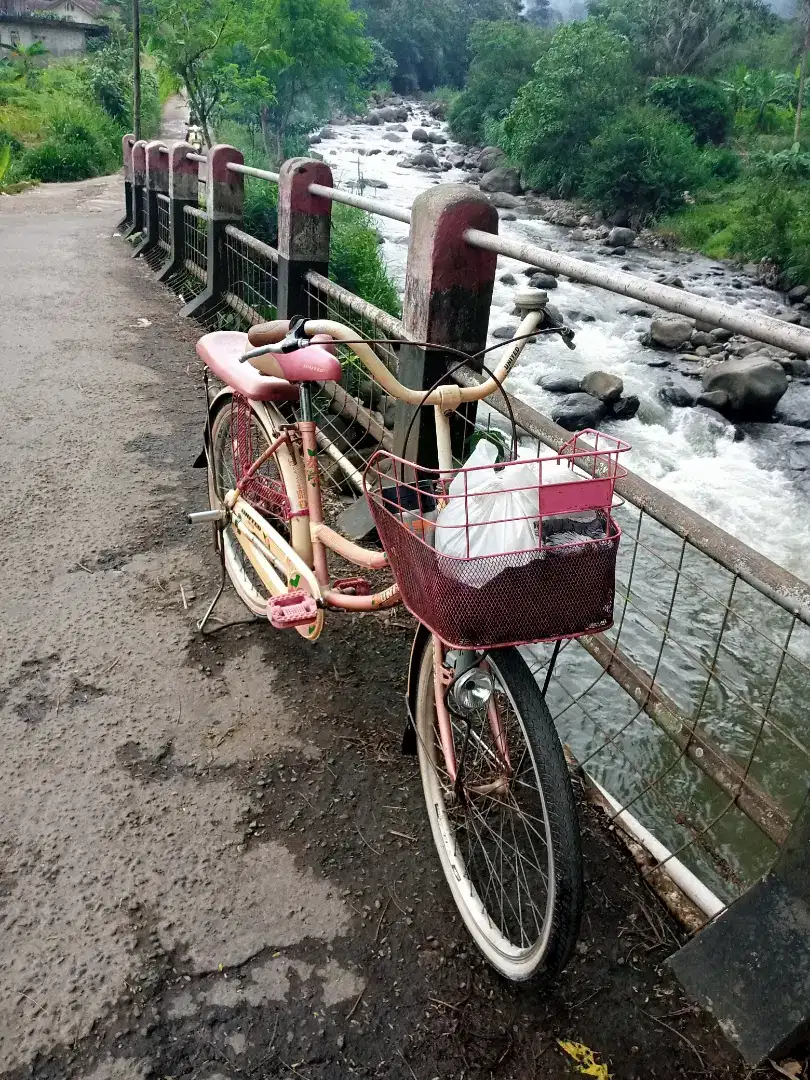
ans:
(472, 690)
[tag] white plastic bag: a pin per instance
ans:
(498, 519)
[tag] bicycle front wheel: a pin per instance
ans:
(506, 831)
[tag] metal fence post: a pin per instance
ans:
(125, 224)
(138, 187)
(157, 181)
(751, 966)
(448, 293)
(183, 183)
(304, 229)
(225, 200)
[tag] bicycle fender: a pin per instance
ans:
(421, 640)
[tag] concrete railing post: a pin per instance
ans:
(751, 966)
(125, 224)
(448, 293)
(304, 228)
(225, 200)
(183, 184)
(138, 186)
(157, 183)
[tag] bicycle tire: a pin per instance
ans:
(245, 580)
(530, 961)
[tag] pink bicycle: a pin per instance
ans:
(496, 785)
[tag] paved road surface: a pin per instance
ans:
(203, 873)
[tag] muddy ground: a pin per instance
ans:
(214, 861)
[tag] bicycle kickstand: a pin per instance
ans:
(218, 518)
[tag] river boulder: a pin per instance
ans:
(754, 385)
(437, 138)
(677, 396)
(671, 331)
(798, 294)
(713, 399)
(621, 237)
(327, 133)
(503, 201)
(557, 382)
(425, 160)
(579, 411)
(600, 384)
(625, 408)
(393, 113)
(419, 135)
(391, 136)
(502, 179)
(491, 157)
(541, 280)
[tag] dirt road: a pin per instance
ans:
(202, 873)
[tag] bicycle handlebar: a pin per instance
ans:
(265, 335)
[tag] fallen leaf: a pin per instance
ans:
(585, 1059)
(790, 1068)
(144, 322)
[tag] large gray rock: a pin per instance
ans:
(713, 399)
(503, 201)
(579, 411)
(559, 383)
(541, 280)
(675, 395)
(327, 133)
(491, 157)
(437, 138)
(393, 113)
(671, 331)
(798, 294)
(754, 385)
(625, 408)
(620, 237)
(794, 408)
(419, 135)
(374, 119)
(502, 179)
(606, 387)
(425, 160)
(391, 136)
(505, 333)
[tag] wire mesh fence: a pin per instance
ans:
(357, 416)
(688, 711)
(190, 279)
(163, 223)
(252, 268)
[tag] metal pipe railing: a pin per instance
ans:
(202, 158)
(752, 324)
(248, 170)
(371, 206)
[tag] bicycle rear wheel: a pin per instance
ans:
(507, 833)
(238, 437)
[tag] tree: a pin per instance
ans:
(585, 74)
(804, 18)
(503, 59)
(193, 38)
(310, 51)
(25, 60)
(680, 37)
(428, 38)
(539, 12)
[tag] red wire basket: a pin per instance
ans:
(545, 528)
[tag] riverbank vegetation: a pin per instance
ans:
(688, 117)
(64, 119)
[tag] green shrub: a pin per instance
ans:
(773, 222)
(700, 104)
(355, 261)
(80, 141)
(585, 75)
(503, 59)
(792, 164)
(108, 73)
(643, 160)
(722, 163)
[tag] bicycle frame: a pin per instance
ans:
(304, 561)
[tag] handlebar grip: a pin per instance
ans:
(268, 333)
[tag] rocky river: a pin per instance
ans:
(750, 476)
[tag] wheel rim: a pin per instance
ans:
(495, 844)
(246, 581)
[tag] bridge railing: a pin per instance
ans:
(690, 713)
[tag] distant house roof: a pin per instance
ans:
(93, 8)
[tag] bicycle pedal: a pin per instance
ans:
(353, 586)
(295, 608)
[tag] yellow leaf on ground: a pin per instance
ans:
(585, 1059)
